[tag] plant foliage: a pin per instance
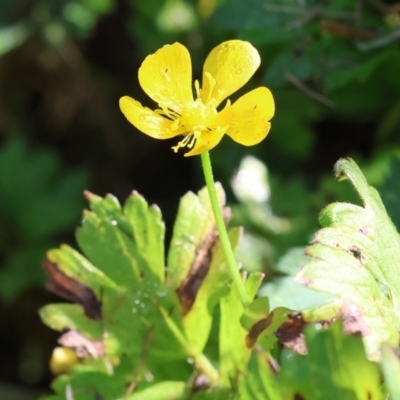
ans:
(355, 257)
(133, 310)
(143, 330)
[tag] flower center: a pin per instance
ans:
(198, 116)
(196, 119)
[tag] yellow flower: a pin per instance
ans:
(166, 77)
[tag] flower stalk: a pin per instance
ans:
(223, 234)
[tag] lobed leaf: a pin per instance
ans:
(355, 257)
(134, 307)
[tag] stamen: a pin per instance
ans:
(177, 147)
(175, 125)
(171, 114)
(228, 104)
(188, 141)
(192, 142)
(182, 143)
(212, 82)
(197, 88)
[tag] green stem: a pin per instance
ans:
(200, 360)
(204, 365)
(223, 234)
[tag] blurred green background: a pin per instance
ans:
(333, 67)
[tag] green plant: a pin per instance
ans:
(180, 331)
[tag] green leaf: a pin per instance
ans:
(143, 314)
(148, 230)
(214, 393)
(257, 310)
(94, 379)
(261, 323)
(126, 276)
(233, 351)
(62, 316)
(286, 292)
(107, 239)
(196, 264)
(73, 264)
(355, 256)
(213, 288)
(291, 261)
(193, 223)
(391, 371)
(335, 368)
(163, 390)
(259, 382)
(138, 221)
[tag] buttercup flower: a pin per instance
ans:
(166, 77)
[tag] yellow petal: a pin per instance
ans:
(207, 141)
(146, 120)
(248, 117)
(231, 64)
(166, 76)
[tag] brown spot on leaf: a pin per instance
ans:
(187, 291)
(202, 382)
(356, 252)
(257, 329)
(70, 289)
(290, 333)
(83, 346)
(353, 321)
